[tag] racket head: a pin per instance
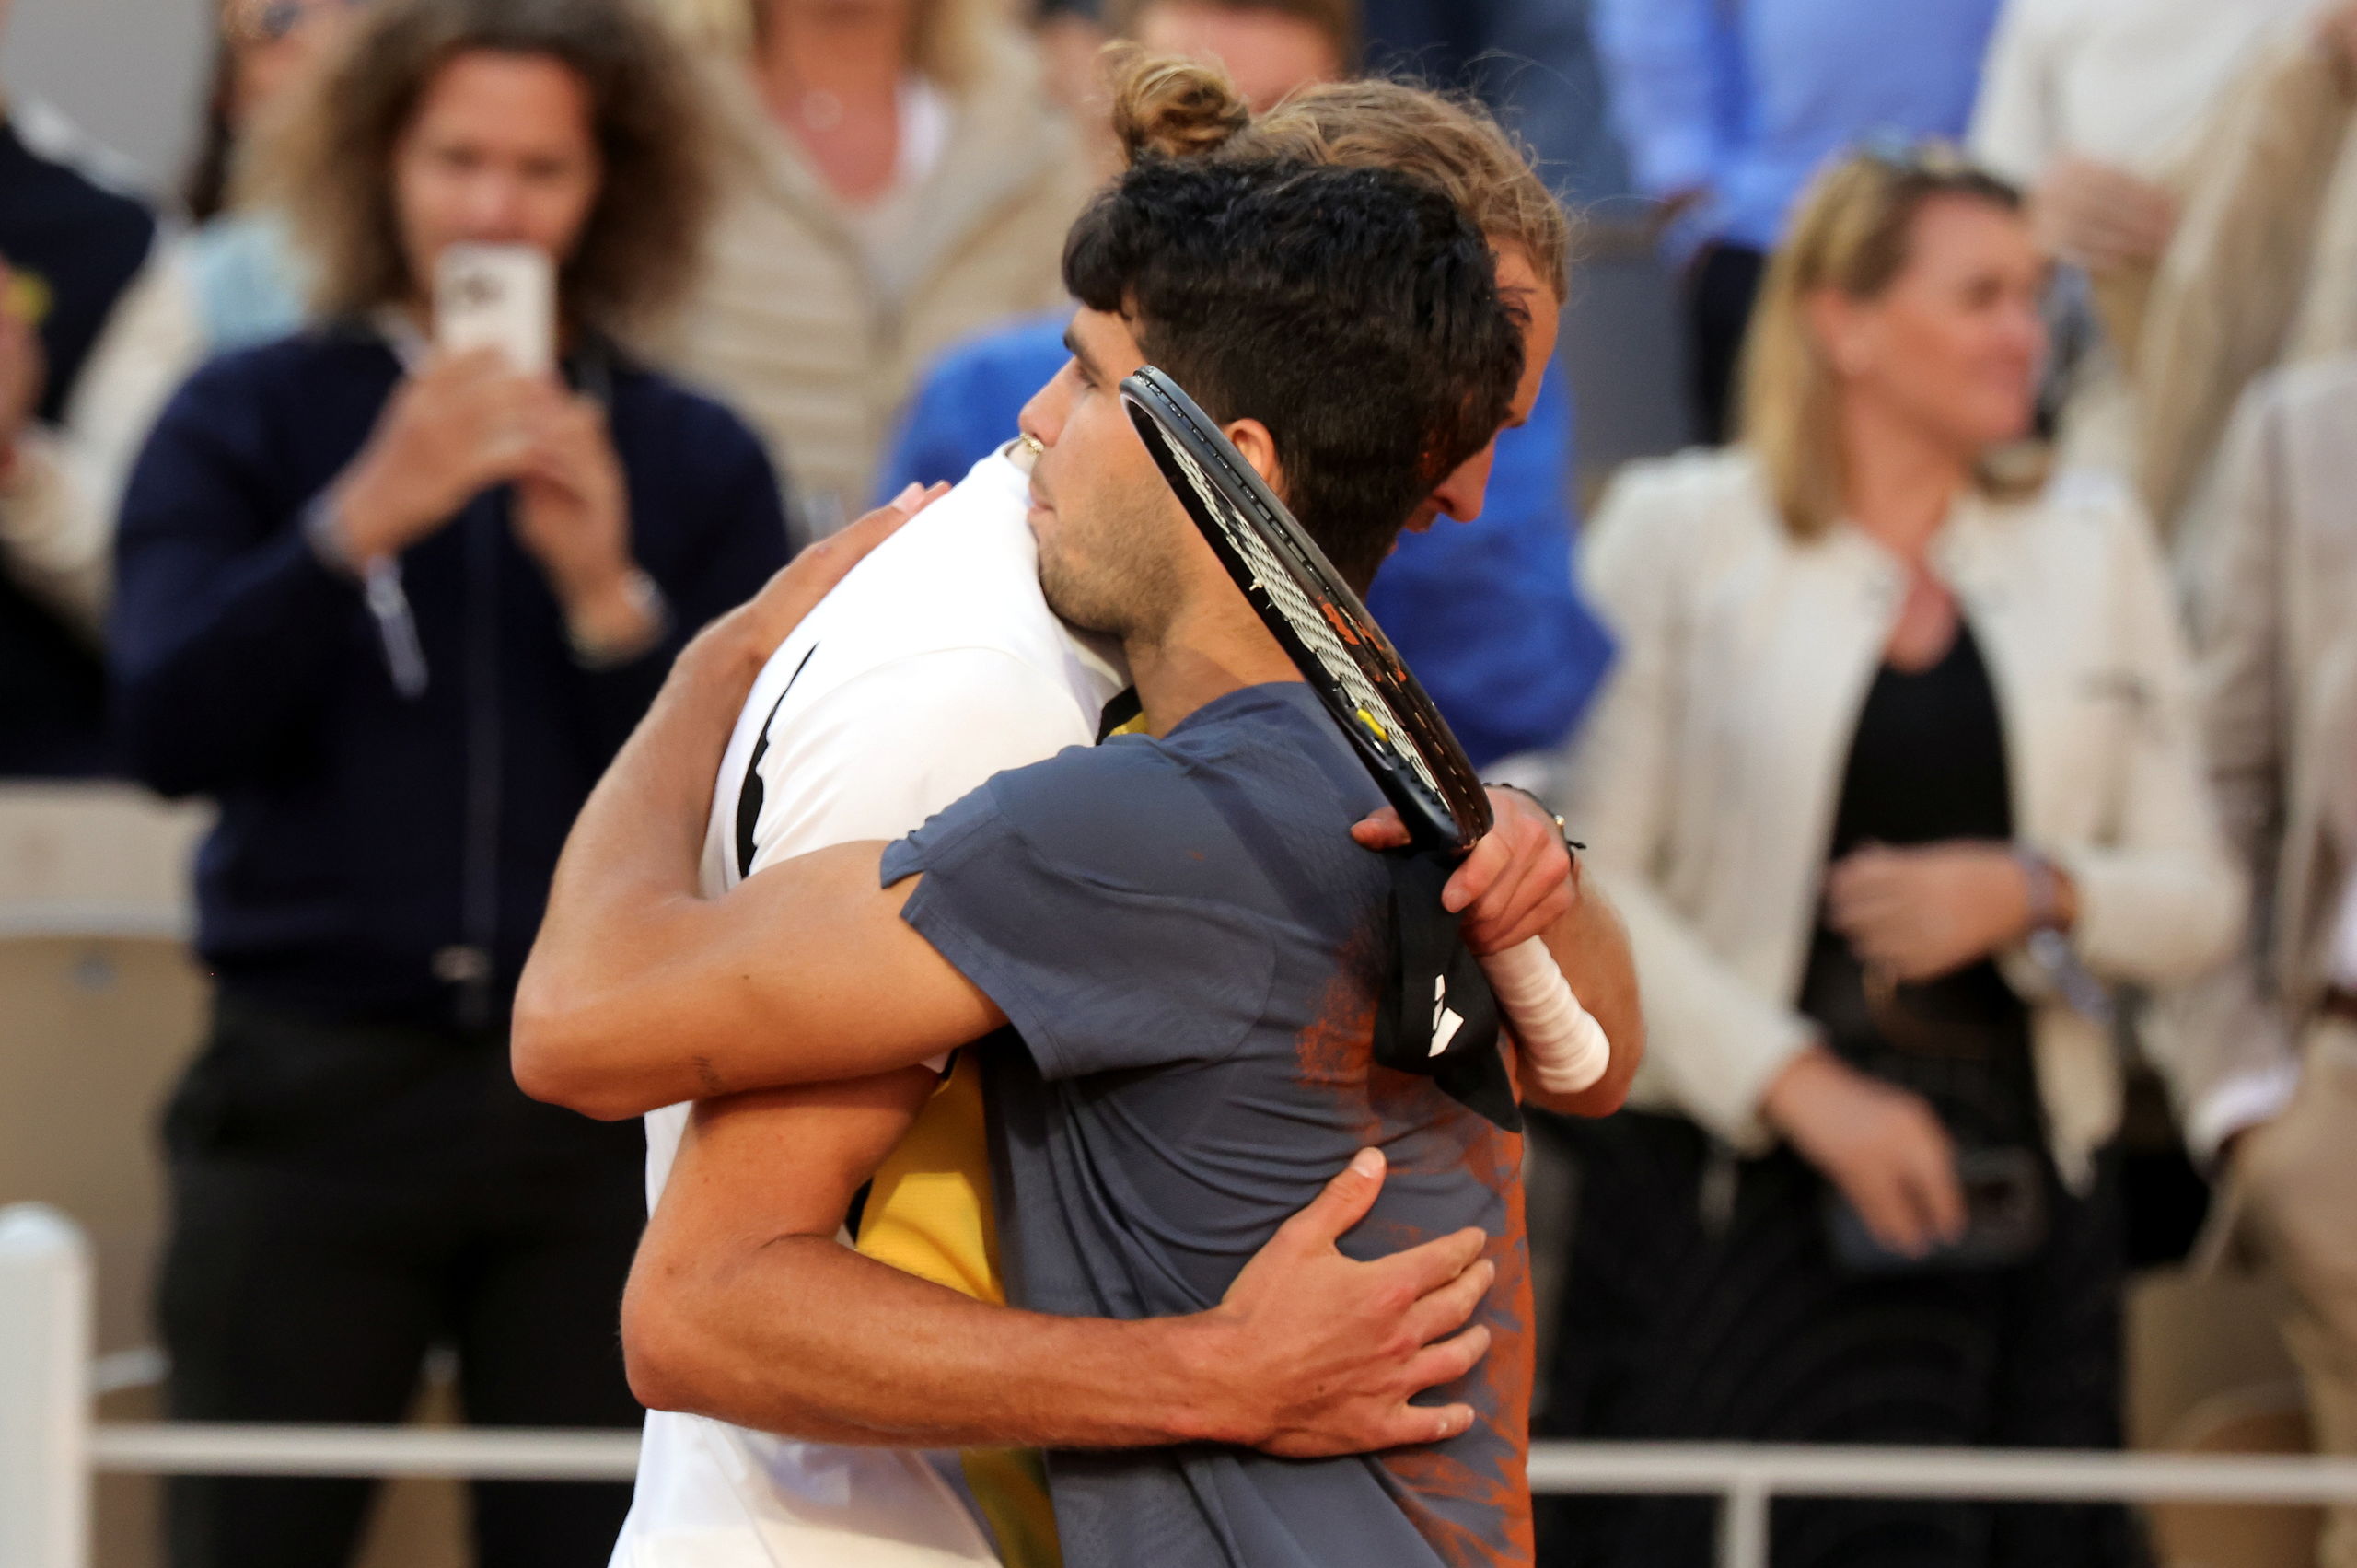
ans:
(1315, 616)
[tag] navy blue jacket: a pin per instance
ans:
(380, 856)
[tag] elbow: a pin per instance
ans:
(656, 1356)
(551, 1050)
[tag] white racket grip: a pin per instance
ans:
(1564, 1048)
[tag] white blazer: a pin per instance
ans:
(1707, 781)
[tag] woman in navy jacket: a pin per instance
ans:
(394, 609)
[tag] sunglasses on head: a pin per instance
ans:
(274, 22)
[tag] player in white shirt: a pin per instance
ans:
(935, 664)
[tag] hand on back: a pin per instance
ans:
(1318, 1355)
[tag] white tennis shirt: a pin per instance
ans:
(935, 664)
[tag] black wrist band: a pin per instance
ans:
(1561, 828)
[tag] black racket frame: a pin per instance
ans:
(1169, 422)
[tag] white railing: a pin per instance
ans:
(49, 1447)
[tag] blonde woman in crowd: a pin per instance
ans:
(900, 181)
(1895, 774)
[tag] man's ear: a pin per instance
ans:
(1252, 437)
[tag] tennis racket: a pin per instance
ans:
(1348, 661)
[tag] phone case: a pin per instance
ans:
(501, 296)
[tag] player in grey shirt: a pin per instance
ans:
(1189, 952)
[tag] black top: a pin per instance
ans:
(378, 855)
(77, 246)
(1927, 764)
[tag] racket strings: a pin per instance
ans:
(1310, 626)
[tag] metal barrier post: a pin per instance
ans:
(1742, 1523)
(45, 1341)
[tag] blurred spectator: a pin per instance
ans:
(1532, 60)
(231, 282)
(234, 279)
(1727, 107)
(68, 247)
(1483, 611)
(2091, 105)
(2261, 265)
(900, 181)
(2278, 680)
(1895, 775)
(395, 609)
(1268, 47)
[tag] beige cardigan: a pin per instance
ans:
(2276, 632)
(1707, 780)
(816, 345)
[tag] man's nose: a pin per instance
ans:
(494, 207)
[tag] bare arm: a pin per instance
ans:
(634, 975)
(743, 1305)
(1592, 949)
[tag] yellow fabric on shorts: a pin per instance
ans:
(929, 1214)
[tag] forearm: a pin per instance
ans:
(806, 1338)
(1592, 948)
(621, 900)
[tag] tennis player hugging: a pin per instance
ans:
(1262, 1298)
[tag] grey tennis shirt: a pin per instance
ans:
(1189, 946)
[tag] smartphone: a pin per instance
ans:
(2005, 1219)
(500, 297)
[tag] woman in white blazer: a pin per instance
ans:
(1894, 778)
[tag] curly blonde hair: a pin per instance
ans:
(330, 162)
(1168, 108)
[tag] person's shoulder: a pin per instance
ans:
(963, 574)
(1697, 484)
(1662, 516)
(1025, 352)
(965, 568)
(85, 181)
(296, 370)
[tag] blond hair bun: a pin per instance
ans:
(1165, 106)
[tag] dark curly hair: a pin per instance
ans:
(1355, 312)
(332, 163)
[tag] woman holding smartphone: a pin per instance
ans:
(392, 591)
(1893, 779)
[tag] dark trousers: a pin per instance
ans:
(1720, 288)
(1678, 1323)
(345, 1197)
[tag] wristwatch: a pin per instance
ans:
(1562, 829)
(2048, 945)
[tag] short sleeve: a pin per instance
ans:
(1100, 962)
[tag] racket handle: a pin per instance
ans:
(1564, 1047)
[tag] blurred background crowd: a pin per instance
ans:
(1925, 582)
